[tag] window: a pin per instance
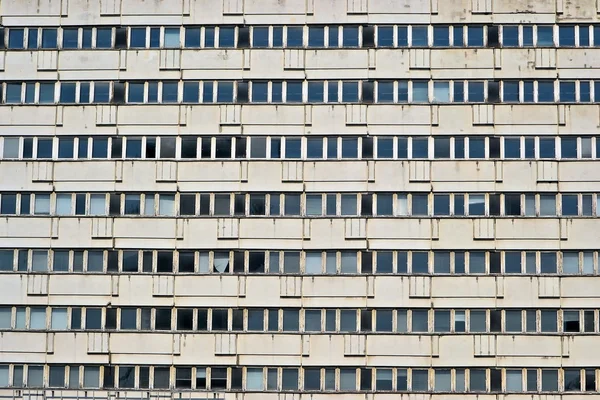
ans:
(478, 322)
(419, 36)
(475, 36)
(315, 92)
(478, 380)
(567, 92)
(49, 38)
(476, 92)
(350, 36)
(70, 38)
(192, 37)
(420, 92)
(260, 37)
(566, 36)
(442, 380)
(350, 92)
(15, 38)
(294, 92)
(510, 36)
(385, 36)
(316, 36)
(420, 380)
(171, 39)
(226, 37)
(441, 36)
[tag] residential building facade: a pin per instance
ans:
(294, 199)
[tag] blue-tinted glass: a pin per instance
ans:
(568, 147)
(441, 36)
(349, 147)
(294, 92)
(84, 92)
(476, 92)
(316, 36)
(315, 92)
(528, 35)
(137, 37)
(13, 92)
(596, 35)
(385, 36)
(15, 38)
(528, 92)
(209, 37)
(403, 36)
(441, 147)
(100, 148)
(545, 91)
(385, 92)
(227, 37)
(136, 93)
(402, 147)
(207, 94)
(225, 92)
(333, 36)
(169, 92)
(567, 92)
(30, 93)
(293, 148)
(547, 148)
(46, 92)
(65, 148)
(566, 36)
(101, 92)
(420, 148)
(134, 148)
(476, 147)
(32, 38)
(459, 148)
(332, 147)
(402, 91)
(420, 259)
(86, 42)
(385, 147)
(49, 38)
(67, 92)
(529, 148)
(510, 36)
(314, 148)
(278, 36)
(294, 36)
(332, 92)
(82, 151)
(545, 35)
(260, 92)
(191, 92)
(44, 148)
(584, 91)
(277, 92)
(70, 38)
(420, 92)
(584, 36)
(459, 92)
(260, 36)
(512, 148)
(458, 36)
(475, 36)
(349, 92)
(511, 91)
(419, 36)
(172, 38)
(350, 36)
(152, 92)
(104, 38)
